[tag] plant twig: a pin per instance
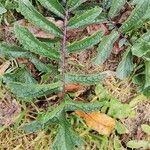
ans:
(63, 52)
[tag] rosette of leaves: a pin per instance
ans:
(21, 82)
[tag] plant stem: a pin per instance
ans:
(63, 52)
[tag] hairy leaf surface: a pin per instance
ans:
(125, 67)
(34, 45)
(54, 6)
(86, 18)
(105, 47)
(116, 6)
(136, 17)
(85, 43)
(73, 4)
(31, 14)
(90, 79)
(24, 90)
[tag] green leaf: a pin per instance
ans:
(45, 119)
(85, 43)
(34, 126)
(105, 47)
(53, 116)
(86, 79)
(119, 110)
(115, 8)
(54, 6)
(73, 4)
(146, 91)
(87, 107)
(29, 91)
(66, 139)
(117, 144)
(32, 44)
(11, 51)
(85, 19)
(138, 144)
(120, 128)
(20, 75)
(31, 14)
(2, 10)
(146, 128)
(44, 68)
(136, 17)
(125, 67)
(140, 49)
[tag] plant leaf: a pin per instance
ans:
(87, 107)
(2, 10)
(120, 128)
(105, 47)
(146, 128)
(146, 91)
(125, 67)
(44, 68)
(73, 4)
(31, 14)
(119, 110)
(115, 8)
(85, 43)
(117, 144)
(66, 138)
(136, 17)
(86, 79)
(29, 91)
(11, 51)
(140, 49)
(98, 121)
(34, 45)
(85, 19)
(138, 144)
(54, 6)
(21, 75)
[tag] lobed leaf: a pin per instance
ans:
(115, 8)
(85, 43)
(31, 14)
(54, 6)
(90, 79)
(125, 67)
(87, 107)
(28, 90)
(11, 51)
(66, 138)
(105, 47)
(20, 75)
(32, 44)
(84, 19)
(135, 19)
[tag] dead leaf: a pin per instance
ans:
(100, 122)
(116, 49)
(4, 67)
(73, 87)
(94, 28)
(9, 112)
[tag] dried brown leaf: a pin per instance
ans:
(4, 67)
(98, 121)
